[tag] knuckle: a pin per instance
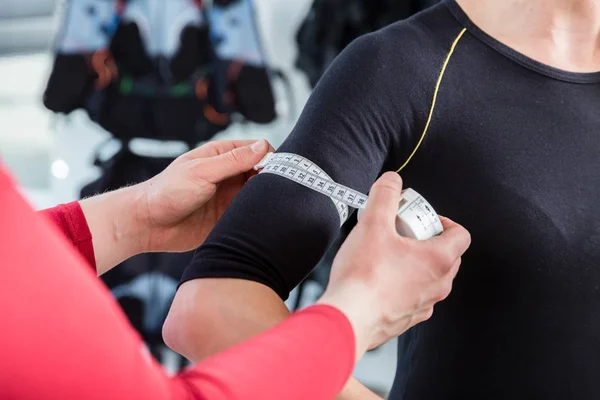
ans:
(446, 289)
(447, 259)
(440, 295)
(442, 262)
(384, 185)
(464, 240)
(216, 147)
(235, 157)
(456, 268)
(428, 314)
(468, 238)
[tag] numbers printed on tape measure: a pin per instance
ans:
(413, 208)
(307, 173)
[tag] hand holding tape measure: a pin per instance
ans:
(382, 282)
(416, 217)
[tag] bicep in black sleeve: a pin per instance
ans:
(276, 231)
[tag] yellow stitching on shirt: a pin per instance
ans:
(435, 94)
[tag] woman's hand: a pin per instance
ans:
(176, 210)
(183, 203)
(386, 283)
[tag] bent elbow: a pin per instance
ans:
(175, 333)
(190, 325)
(210, 315)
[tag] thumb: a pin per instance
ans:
(235, 162)
(384, 200)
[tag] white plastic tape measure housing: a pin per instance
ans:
(416, 217)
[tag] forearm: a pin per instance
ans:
(115, 220)
(52, 279)
(210, 315)
(260, 367)
(240, 310)
(358, 305)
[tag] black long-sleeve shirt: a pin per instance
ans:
(512, 153)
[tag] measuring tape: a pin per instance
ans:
(416, 218)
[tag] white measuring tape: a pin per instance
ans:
(416, 217)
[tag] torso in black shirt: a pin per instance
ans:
(512, 153)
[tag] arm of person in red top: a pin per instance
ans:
(172, 212)
(64, 337)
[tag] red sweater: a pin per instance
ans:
(64, 337)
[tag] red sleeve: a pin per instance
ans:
(64, 337)
(70, 220)
(310, 356)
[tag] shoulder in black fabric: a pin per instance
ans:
(331, 25)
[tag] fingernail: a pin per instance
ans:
(394, 176)
(259, 147)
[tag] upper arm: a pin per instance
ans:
(275, 231)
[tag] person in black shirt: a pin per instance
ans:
(489, 109)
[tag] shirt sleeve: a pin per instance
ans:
(64, 336)
(70, 220)
(254, 370)
(357, 123)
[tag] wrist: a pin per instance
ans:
(360, 305)
(131, 225)
(116, 222)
